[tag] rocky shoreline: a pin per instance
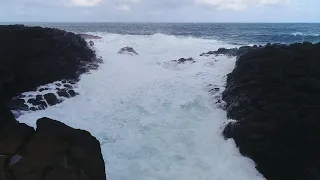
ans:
(273, 94)
(33, 56)
(40, 68)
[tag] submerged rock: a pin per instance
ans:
(127, 50)
(273, 93)
(184, 60)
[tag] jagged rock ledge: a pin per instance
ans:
(33, 56)
(231, 52)
(273, 94)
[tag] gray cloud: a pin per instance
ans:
(149, 10)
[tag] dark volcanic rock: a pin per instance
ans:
(34, 56)
(32, 101)
(43, 89)
(12, 136)
(91, 43)
(127, 50)
(17, 104)
(53, 152)
(72, 93)
(67, 86)
(184, 60)
(51, 99)
(63, 93)
(231, 52)
(57, 151)
(274, 94)
(39, 97)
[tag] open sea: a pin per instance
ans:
(156, 119)
(232, 33)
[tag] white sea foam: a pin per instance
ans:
(155, 123)
(303, 34)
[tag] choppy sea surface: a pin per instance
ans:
(155, 119)
(232, 33)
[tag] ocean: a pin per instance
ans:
(232, 33)
(156, 119)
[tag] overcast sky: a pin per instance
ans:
(159, 11)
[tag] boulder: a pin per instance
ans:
(72, 93)
(184, 60)
(53, 152)
(91, 43)
(51, 99)
(39, 98)
(57, 151)
(63, 93)
(273, 94)
(67, 86)
(127, 50)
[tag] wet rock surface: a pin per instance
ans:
(274, 95)
(43, 97)
(128, 50)
(184, 60)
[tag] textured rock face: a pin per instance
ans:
(53, 152)
(34, 56)
(274, 94)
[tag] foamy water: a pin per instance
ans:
(156, 120)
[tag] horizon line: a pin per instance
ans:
(145, 22)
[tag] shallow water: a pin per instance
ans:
(155, 119)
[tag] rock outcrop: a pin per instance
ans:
(52, 151)
(35, 56)
(274, 95)
(231, 52)
(32, 57)
(128, 50)
(184, 60)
